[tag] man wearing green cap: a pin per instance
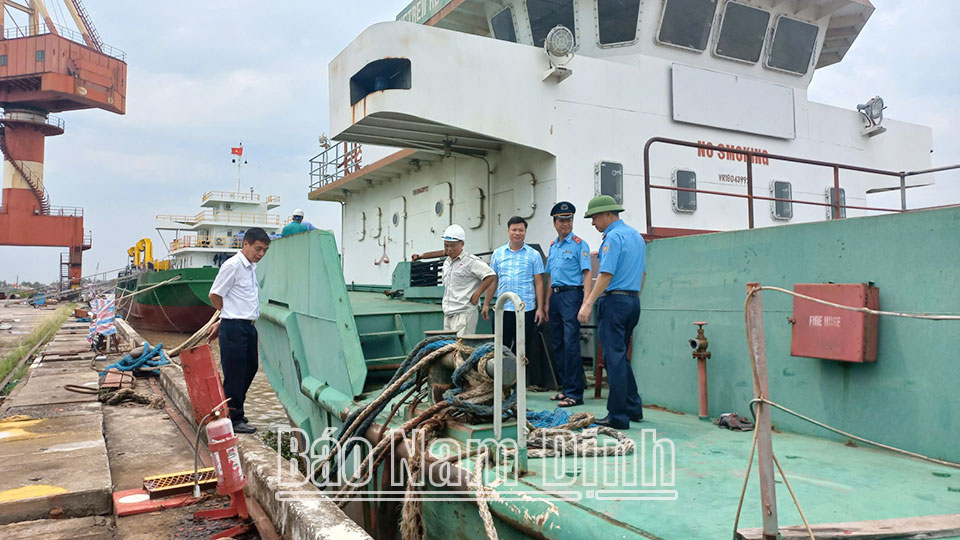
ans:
(616, 293)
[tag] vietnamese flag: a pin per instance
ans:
(237, 151)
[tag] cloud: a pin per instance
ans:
(205, 75)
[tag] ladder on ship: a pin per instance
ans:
(384, 341)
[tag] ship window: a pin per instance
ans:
(686, 23)
(831, 199)
(3, 59)
(384, 74)
(438, 208)
(610, 180)
(742, 32)
(546, 14)
(502, 24)
(617, 21)
(782, 210)
(685, 201)
(41, 56)
(793, 44)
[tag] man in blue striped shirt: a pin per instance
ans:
(520, 270)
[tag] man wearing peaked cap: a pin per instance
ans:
(568, 280)
(465, 277)
(616, 293)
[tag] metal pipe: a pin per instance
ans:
(750, 191)
(836, 192)
(519, 306)
(903, 191)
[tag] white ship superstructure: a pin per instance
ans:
(211, 236)
(493, 126)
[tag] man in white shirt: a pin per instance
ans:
(234, 292)
(465, 277)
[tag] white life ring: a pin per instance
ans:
(219, 241)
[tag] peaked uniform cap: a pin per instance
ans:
(602, 203)
(563, 208)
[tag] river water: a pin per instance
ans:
(262, 407)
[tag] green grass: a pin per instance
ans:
(43, 332)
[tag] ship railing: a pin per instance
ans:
(521, 382)
(65, 211)
(42, 28)
(231, 195)
(87, 240)
(207, 241)
(273, 199)
(749, 157)
(216, 216)
(334, 163)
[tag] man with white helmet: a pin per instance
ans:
(465, 277)
(297, 225)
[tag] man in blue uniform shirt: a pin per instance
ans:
(623, 268)
(568, 280)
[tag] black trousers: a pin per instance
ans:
(238, 358)
(539, 372)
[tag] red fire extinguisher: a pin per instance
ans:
(223, 445)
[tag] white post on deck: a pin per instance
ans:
(521, 382)
(761, 388)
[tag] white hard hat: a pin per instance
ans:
(298, 212)
(454, 233)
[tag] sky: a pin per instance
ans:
(205, 76)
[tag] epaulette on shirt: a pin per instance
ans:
(577, 239)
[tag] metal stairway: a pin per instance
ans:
(36, 185)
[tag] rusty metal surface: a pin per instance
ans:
(165, 485)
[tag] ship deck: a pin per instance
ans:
(834, 482)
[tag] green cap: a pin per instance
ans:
(602, 203)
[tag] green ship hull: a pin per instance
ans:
(179, 306)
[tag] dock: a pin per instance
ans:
(64, 454)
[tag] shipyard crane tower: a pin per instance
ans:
(47, 68)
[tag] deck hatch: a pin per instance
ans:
(383, 74)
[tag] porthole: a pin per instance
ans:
(438, 208)
(396, 219)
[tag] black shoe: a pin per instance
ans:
(607, 422)
(243, 427)
(636, 417)
(245, 421)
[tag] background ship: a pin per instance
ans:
(208, 239)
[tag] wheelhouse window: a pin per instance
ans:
(832, 201)
(793, 44)
(781, 210)
(617, 21)
(503, 27)
(742, 32)
(686, 23)
(610, 180)
(685, 201)
(546, 14)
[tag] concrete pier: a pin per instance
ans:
(63, 454)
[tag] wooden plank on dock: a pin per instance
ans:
(942, 526)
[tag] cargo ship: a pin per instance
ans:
(694, 115)
(177, 300)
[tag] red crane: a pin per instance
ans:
(46, 68)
